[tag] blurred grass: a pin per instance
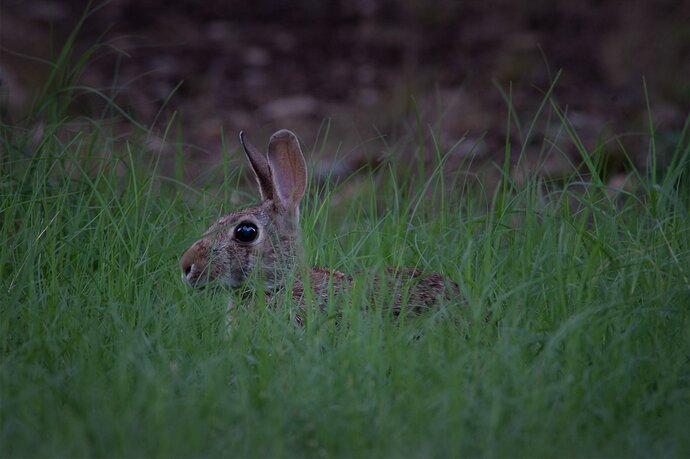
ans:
(573, 338)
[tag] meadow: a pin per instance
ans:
(572, 337)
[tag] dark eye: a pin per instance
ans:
(246, 232)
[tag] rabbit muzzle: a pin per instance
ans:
(195, 272)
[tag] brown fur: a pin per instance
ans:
(276, 253)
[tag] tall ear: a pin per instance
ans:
(262, 171)
(288, 169)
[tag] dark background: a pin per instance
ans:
(367, 70)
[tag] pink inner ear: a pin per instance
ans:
(288, 169)
(288, 184)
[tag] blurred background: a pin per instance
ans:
(355, 79)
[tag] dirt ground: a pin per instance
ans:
(366, 72)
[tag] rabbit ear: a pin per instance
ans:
(262, 171)
(288, 169)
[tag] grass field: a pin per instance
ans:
(573, 339)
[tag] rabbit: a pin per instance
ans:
(264, 241)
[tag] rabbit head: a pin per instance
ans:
(265, 239)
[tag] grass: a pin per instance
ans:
(573, 338)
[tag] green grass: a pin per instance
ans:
(573, 338)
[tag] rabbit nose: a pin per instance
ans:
(187, 265)
(186, 271)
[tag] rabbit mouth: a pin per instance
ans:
(195, 286)
(195, 278)
(192, 283)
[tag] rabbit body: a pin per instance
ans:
(264, 241)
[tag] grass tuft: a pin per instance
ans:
(572, 339)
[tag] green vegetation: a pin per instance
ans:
(573, 338)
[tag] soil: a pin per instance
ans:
(355, 80)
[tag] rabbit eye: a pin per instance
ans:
(246, 232)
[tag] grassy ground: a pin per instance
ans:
(573, 339)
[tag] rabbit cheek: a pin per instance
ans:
(236, 276)
(242, 262)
